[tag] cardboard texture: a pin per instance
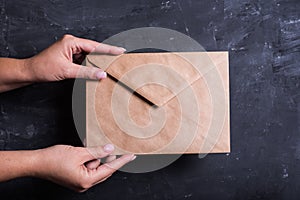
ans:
(160, 103)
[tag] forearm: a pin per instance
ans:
(14, 73)
(16, 164)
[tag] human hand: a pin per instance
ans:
(62, 60)
(77, 168)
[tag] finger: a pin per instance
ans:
(108, 49)
(111, 158)
(93, 164)
(93, 46)
(106, 170)
(78, 71)
(98, 152)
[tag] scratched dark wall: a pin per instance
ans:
(263, 38)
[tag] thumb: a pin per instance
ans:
(93, 153)
(79, 71)
(106, 170)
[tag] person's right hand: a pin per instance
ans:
(77, 168)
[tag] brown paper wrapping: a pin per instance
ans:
(160, 103)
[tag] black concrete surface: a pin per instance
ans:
(263, 40)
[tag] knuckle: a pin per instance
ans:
(91, 72)
(109, 169)
(69, 40)
(67, 72)
(67, 37)
(84, 185)
(86, 74)
(80, 190)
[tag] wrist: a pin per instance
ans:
(27, 70)
(15, 73)
(36, 164)
(32, 163)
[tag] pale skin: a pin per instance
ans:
(77, 168)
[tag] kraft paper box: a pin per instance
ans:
(160, 103)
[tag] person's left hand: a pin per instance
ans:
(62, 60)
(77, 168)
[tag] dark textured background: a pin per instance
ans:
(263, 38)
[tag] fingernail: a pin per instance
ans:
(101, 75)
(133, 158)
(108, 148)
(122, 49)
